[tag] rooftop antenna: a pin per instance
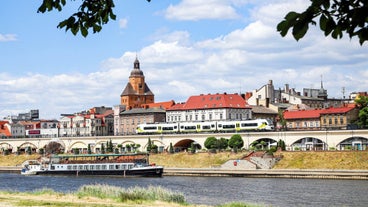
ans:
(343, 92)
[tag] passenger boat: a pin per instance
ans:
(136, 164)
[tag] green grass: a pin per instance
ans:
(130, 194)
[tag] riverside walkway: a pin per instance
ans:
(270, 173)
(254, 173)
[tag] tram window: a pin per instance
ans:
(206, 127)
(230, 126)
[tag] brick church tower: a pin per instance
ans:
(136, 92)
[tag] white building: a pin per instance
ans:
(210, 107)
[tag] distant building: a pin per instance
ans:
(97, 121)
(31, 115)
(131, 118)
(270, 97)
(210, 107)
(316, 119)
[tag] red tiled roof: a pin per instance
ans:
(304, 114)
(163, 105)
(341, 110)
(211, 101)
(316, 113)
(3, 129)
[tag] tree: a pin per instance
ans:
(149, 145)
(91, 14)
(171, 148)
(282, 120)
(362, 103)
(211, 143)
(236, 142)
(89, 151)
(281, 145)
(335, 18)
(223, 143)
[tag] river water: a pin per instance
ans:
(215, 190)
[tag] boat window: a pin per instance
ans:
(104, 167)
(130, 166)
(80, 167)
(98, 167)
(85, 167)
(69, 167)
(52, 167)
(111, 167)
(123, 167)
(91, 167)
(117, 167)
(74, 167)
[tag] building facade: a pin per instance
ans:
(211, 107)
(98, 121)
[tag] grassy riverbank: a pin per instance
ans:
(348, 160)
(331, 160)
(101, 196)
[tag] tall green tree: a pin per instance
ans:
(149, 145)
(211, 143)
(362, 104)
(336, 17)
(282, 120)
(236, 142)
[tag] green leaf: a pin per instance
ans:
(292, 16)
(84, 31)
(283, 27)
(323, 22)
(300, 29)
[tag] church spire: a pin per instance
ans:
(136, 62)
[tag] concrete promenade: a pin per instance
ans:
(272, 173)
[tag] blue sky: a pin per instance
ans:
(185, 47)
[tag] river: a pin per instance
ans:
(215, 190)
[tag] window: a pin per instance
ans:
(203, 117)
(341, 120)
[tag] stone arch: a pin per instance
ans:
(309, 143)
(268, 141)
(184, 144)
(4, 146)
(355, 142)
(54, 147)
(81, 146)
(22, 147)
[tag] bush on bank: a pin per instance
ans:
(151, 193)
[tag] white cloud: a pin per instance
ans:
(8, 37)
(202, 9)
(123, 23)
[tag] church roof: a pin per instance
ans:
(130, 91)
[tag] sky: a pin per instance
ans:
(185, 48)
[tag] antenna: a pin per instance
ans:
(343, 92)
